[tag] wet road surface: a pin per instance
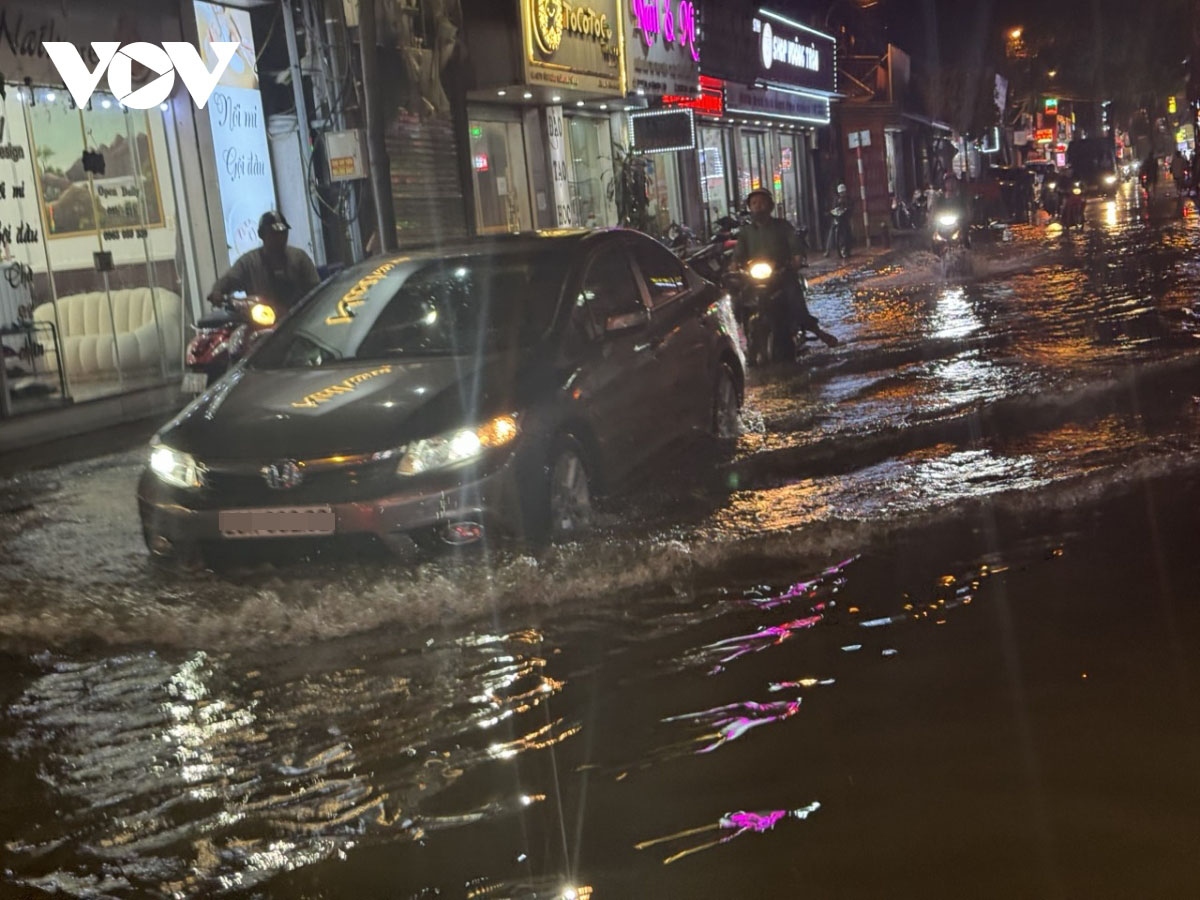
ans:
(929, 630)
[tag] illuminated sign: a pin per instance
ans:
(357, 295)
(662, 55)
(1043, 135)
(573, 45)
(792, 54)
(711, 101)
(662, 130)
(777, 103)
(1051, 106)
(1171, 104)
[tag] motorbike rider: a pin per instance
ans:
(772, 239)
(953, 200)
(278, 273)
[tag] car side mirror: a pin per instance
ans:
(626, 321)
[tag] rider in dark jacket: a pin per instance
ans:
(775, 240)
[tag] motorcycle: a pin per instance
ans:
(951, 230)
(224, 337)
(1071, 207)
(760, 306)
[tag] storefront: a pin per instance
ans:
(775, 79)
(662, 64)
(539, 121)
(101, 269)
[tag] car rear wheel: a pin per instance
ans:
(725, 421)
(570, 491)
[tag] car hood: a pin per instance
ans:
(311, 413)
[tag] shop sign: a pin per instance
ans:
(662, 130)
(777, 103)
(245, 180)
(573, 45)
(165, 61)
(27, 25)
(564, 210)
(1043, 135)
(792, 54)
(711, 101)
(661, 49)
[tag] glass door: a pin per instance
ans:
(499, 179)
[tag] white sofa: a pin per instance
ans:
(91, 346)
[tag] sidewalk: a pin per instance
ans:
(95, 427)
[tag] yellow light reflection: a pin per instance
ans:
(1110, 214)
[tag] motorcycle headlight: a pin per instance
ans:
(1110, 179)
(263, 315)
(1052, 185)
(948, 220)
(1077, 189)
(176, 467)
(458, 446)
(760, 271)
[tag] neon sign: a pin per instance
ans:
(711, 101)
(678, 28)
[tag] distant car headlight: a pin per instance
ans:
(948, 220)
(176, 467)
(1110, 179)
(458, 446)
(760, 271)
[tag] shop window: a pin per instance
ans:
(96, 230)
(664, 275)
(715, 171)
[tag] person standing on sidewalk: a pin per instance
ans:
(839, 226)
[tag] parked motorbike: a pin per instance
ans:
(223, 337)
(951, 231)
(760, 306)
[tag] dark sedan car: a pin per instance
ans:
(492, 385)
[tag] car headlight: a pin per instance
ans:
(760, 271)
(458, 446)
(948, 220)
(176, 467)
(1110, 179)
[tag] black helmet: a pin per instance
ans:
(272, 220)
(765, 193)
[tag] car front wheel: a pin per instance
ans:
(725, 422)
(570, 491)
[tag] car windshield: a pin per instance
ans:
(459, 305)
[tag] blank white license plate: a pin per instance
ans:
(292, 521)
(194, 382)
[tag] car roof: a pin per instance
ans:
(514, 242)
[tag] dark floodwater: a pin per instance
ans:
(930, 632)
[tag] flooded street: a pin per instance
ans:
(932, 623)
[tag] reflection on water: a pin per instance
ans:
(734, 825)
